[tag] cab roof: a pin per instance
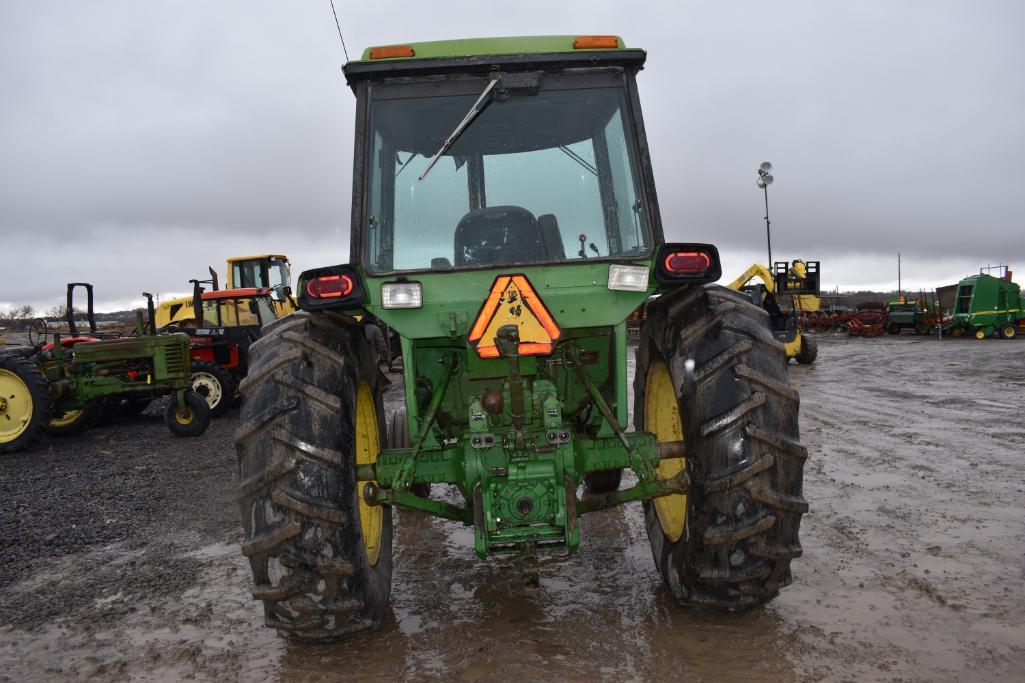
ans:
(511, 45)
(483, 54)
(260, 257)
(235, 293)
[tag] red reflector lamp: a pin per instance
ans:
(687, 263)
(338, 288)
(392, 51)
(329, 286)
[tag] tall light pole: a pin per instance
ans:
(764, 180)
(898, 276)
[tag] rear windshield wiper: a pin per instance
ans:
(476, 109)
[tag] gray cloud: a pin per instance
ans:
(142, 141)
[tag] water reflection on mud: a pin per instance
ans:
(602, 612)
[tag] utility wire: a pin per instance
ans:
(339, 30)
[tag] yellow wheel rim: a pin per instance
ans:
(15, 406)
(69, 418)
(662, 418)
(368, 446)
(183, 416)
(979, 334)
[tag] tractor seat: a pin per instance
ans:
(498, 235)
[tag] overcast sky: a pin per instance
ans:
(142, 141)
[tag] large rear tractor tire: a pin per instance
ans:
(1008, 331)
(25, 405)
(215, 385)
(710, 372)
(809, 351)
(311, 412)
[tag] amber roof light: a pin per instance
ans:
(392, 51)
(596, 43)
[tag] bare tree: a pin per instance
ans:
(60, 312)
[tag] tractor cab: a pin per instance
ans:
(266, 271)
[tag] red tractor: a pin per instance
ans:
(228, 322)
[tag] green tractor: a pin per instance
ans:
(61, 385)
(985, 305)
(921, 315)
(505, 225)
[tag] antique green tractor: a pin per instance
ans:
(505, 224)
(59, 384)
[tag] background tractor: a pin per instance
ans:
(61, 386)
(505, 225)
(795, 284)
(985, 306)
(922, 315)
(268, 271)
(219, 339)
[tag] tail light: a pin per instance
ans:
(335, 287)
(687, 263)
(329, 286)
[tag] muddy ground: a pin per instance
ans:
(120, 556)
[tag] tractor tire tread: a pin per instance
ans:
(711, 367)
(734, 532)
(256, 376)
(758, 466)
(328, 456)
(781, 389)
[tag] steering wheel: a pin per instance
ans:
(171, 328)
(38, 330)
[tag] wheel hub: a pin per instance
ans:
(15, 406)
(207, 386)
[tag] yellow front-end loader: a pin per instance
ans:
(799, 283)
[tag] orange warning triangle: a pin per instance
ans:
(512, 301)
